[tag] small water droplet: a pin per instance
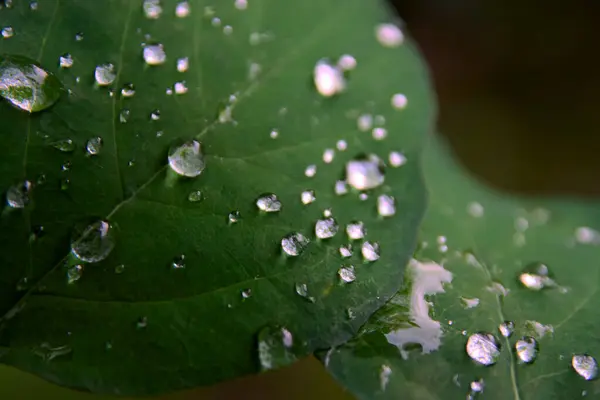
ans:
(182, 9)
(475, 209)
(93, 146)
(152, 9)
(328, 155)
(154, 54)
(246, 294)
(187, 159)
(346, 62)
(17, 196)
(302, 291)
(128, 90)
(326, 228)
(79, 36)
(124, 115)
(234, 217)
(26, 85)
(178, 262)
(310, 171)
(7, 32)
(350, 314)
(195, 196)
(397, 159)
(328, 78)
(275, 348)
(33, 5)
(268, 202)
(94, 242)
(183, 64)
(365, 172)
(180, 87)
(64, 145)
(345, 251)
(65, 183)
(74, 273)
(587, 235)
(347, 274)
(294, 243)
(536, 276)
(389, 35)
(364, 122)
(379, 133)
(241, 4)
(119, 269)
(142, 323)
(370, 251)
(526, 349)
(274, 134)
(355, 230)
(155, 115)
(341, 145)
(386, 205)
(506, 328)
(483, 348)
(341, 188)
(469, 302)
(307, 197)
(399, 101)
(65, 61)
(585, 365)
(384, 376)
(105, 74)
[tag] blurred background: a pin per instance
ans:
(518, 85)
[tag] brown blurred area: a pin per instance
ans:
(518, 85)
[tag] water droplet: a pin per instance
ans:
(33, 6)
(341, 145)
(326, 228)
(328, 78)
(585, 365)
(302, 291)
(246, 294)
(341, 188)
(350, 314)
(142, 323)
(345, 251)
(328, 155)
(477, 386)
(347, 274)
(241, 4)
(154, 54)
(74, 273)
(475, 210)
(327, 212)
(310, 171)
(470, 302)
(370, 251)
(587, 235)
(119, 269)
(275, 348)
(365, 173)
(94, 145)
(17, 196)
(346, 62)
(379, 133)
(483, 348)
(307, 197)
(183, 64)
(537, 329)
(65, 61)
(364, 122)
(274, 134)
(182, 9)
(128, 90)
(7, 32)
(94, 242)
(178, 262)
(26, 85)
(506, 328)
(363, 196)
(152, 8)
(399, 101)
(526, 349)
(187, 159)
(234, 217)
(124, 115)
(64, 145)
(294, 243)
(355, 230)
(79, 36)
(195, 196)
(384, 376)
(268, 202)
(105, 74)
(386, 205)
(536, 276)
(181, 88)
(389, 35)
(397, 159)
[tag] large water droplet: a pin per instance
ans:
(64, 145)
(187, 159)
(74, 273)
(105, 74)
(294, 243)
(94, 242)
(17, 196)
(386, 205)
(347, 274)
(506, 328)
(94, 145)
(365, 172)
(585, 365)
(124, 115)
(268, 202)
(275, 348)
(355, 230)
(154, 54)
(370, 251)
(483, 348)
(526, 349)
(26, 85)
(326, 228)
(536, 276)
(328, 78)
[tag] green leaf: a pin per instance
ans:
(119, 275)
(520, 265)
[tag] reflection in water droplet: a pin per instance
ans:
(307, 197)
(483, 348)
(397, 159)
(26, 85)
(526, 349)
(128, 90)
(105, 74)
(64, 145)
(328, 78)
(195, 196)
(310, 171)
(152, 8)
(294, 243)
(275, 348)
(506, 328)
(154, 54)
(94, 242)
(178, 262)
(536, 276)
(268, 202)
(355, 230)
(183, 64)
(347, 274)
(389, 35)
(386, 205)
(65, 61)
(365, 173)
(94, 145)
(370, 251)
(17, 196)
(585, 365)
(326, 228)
(345, 251)
(182, 9)
(74, 273)
(234, 217)
(187, 159)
